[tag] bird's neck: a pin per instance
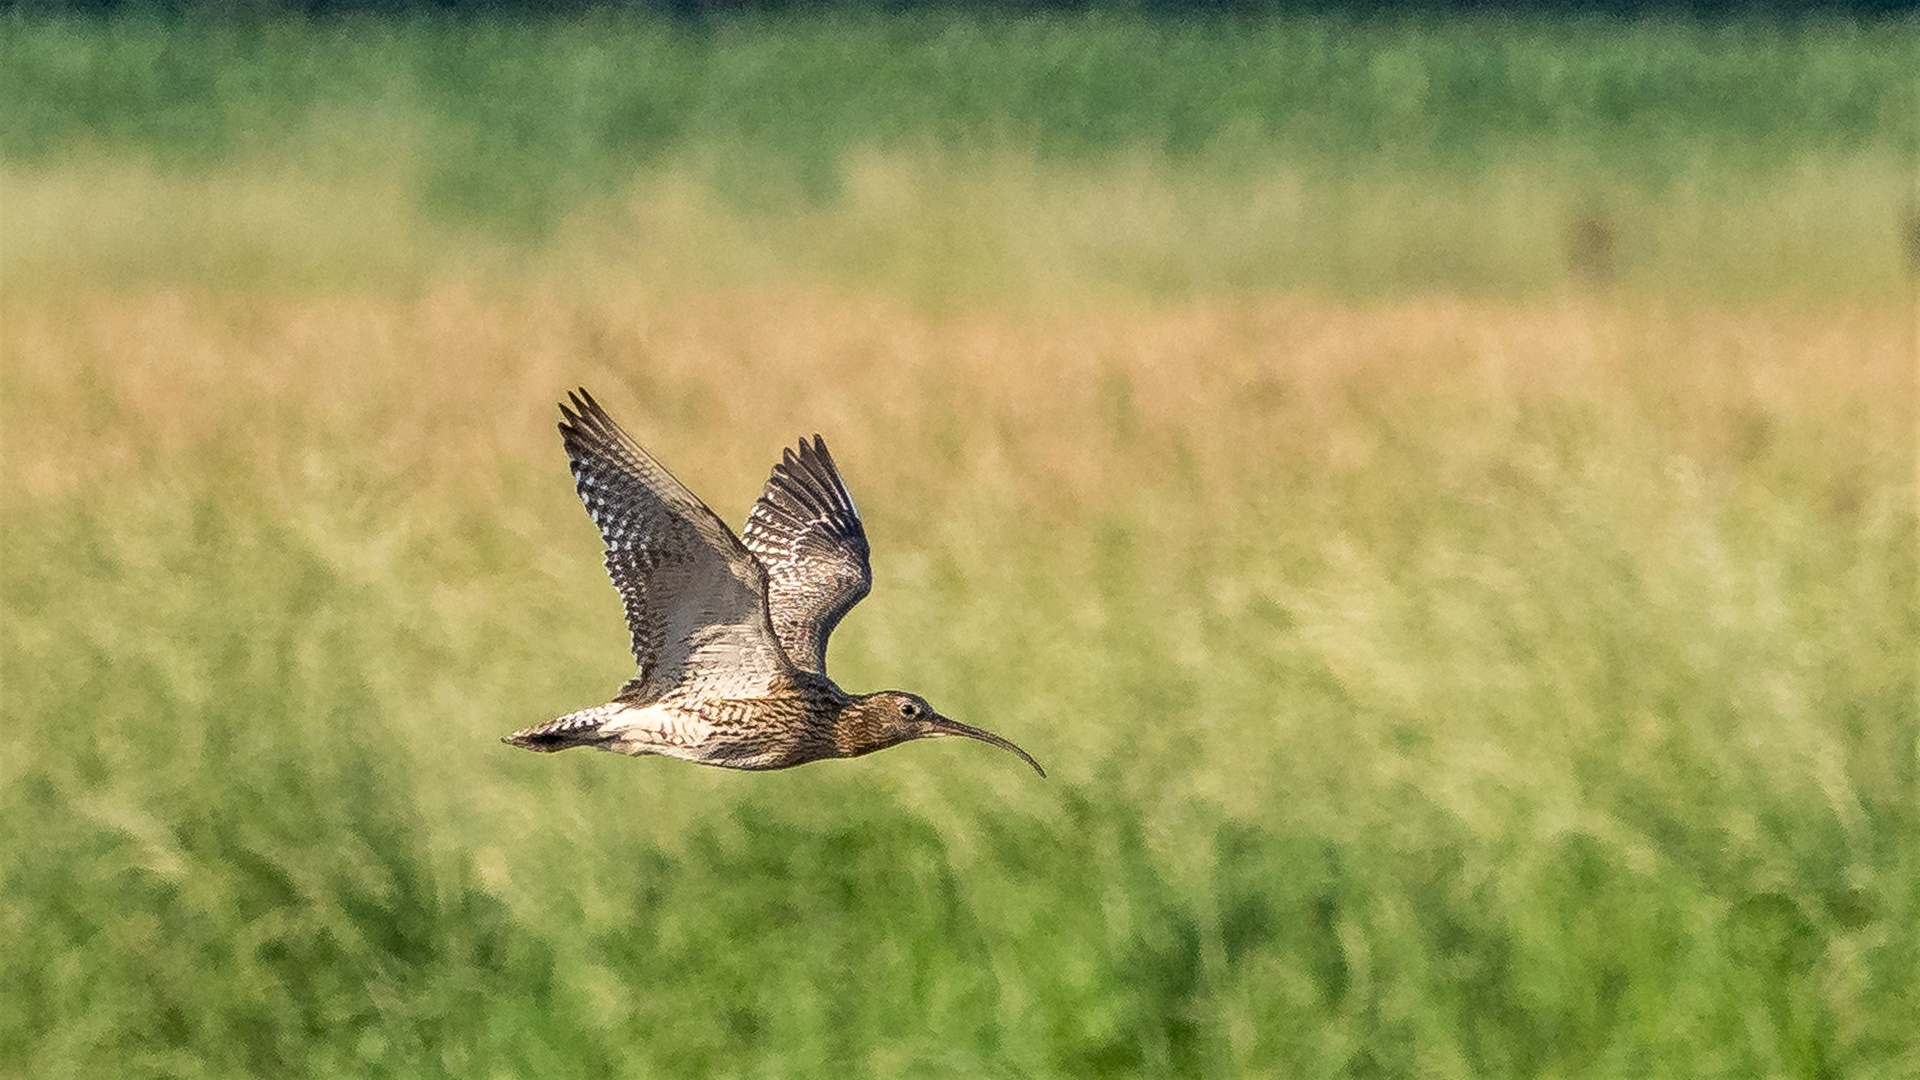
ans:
(861, 728)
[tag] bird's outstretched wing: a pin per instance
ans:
(695, 599)
(807, 534)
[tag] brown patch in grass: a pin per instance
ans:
(1057, 410)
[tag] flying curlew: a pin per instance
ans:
(731, 636)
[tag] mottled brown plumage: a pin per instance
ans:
(730, 637)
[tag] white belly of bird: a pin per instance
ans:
(654, 725)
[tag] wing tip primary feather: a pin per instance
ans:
(577, 416)
(808, 478)
(588, 431)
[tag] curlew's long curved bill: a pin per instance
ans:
(943, 726)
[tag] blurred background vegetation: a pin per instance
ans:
(1436, 490)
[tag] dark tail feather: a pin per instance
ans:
(547, 743)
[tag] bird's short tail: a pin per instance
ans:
(574, 729)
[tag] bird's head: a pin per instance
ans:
(891, 717)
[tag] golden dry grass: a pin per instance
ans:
(1244, 442)
(1057, 410)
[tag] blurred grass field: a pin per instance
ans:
(1437, 495)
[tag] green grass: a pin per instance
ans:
(515, 122)
(621, 88)
(968, 158)
(1534, 717)
(1444, 667)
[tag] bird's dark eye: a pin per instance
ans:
(909, 709)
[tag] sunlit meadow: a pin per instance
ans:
(1438, 497)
